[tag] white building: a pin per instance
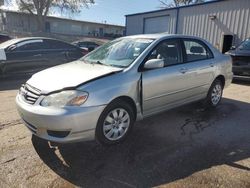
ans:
(12, 21)
(216, 21)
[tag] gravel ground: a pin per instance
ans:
(185, 147)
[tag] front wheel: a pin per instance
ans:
(115, 123)
(215, 94)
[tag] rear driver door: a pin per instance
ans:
(198, 58)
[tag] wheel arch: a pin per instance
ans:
(222, 79)
(128, 100)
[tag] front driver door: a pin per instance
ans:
(164, 87)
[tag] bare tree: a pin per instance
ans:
(177, 3)
(41, 8)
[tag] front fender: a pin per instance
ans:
(104, 90)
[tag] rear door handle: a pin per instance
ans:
(183, 70)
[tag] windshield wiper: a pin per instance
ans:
(100, 63)
(118, 66)
(110, 65)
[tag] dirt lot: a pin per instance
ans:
(185, 147)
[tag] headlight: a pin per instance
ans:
(65, 98)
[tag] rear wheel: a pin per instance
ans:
(215, 94)
(115, 123)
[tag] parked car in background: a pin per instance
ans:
(241, 58)
(30, 55)
(4, 38)
(88, 46)
(101, 95)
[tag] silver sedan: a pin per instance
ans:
(101, 95)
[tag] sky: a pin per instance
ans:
(111, 11)
(114, 11)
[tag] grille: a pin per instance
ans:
(58, 134)
(29, 93)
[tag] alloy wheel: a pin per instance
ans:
(216, 94)
(116, 124)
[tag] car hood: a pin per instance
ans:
(239, 52)
(68, 75)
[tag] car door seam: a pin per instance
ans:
(174, 92)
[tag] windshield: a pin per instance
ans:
(245, 45)
(119, 53)
(8, 43)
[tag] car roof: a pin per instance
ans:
(17, 40)
(34, 38)
(96, 41)
(162, 35)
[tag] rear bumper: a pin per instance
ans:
(242, 70)
(61, 125)
(228, 79)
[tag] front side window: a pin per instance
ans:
(119, 53)
(169, 51)
(196, 51)
(245, 45)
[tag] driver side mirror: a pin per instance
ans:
(154, 64)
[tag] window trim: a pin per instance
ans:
(141, 69)
(26, 42)
(199, 42)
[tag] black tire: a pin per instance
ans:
(209, 102)
(115, 105)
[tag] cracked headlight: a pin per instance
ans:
(65, 98)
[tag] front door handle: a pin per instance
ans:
(211, 64)
(183, 70)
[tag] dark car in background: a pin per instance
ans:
(30, 55)
(4, 38)
(88, 46)
(241, 58)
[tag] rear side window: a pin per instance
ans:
(196, 50)
(58, 45)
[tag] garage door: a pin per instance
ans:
(156, 24)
